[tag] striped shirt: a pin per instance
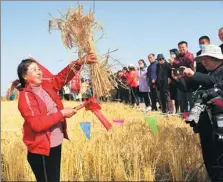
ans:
(56, 137)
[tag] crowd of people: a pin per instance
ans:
(154, 84)
(77, 92)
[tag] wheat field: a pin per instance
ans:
(125, 153)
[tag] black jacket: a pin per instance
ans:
(163, 72)
(207, 81)
(211, 149)
(221, 46)
(199, 66)
(201, 69)
(198, 53)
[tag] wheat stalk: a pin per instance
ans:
(78, 31)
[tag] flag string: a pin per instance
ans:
(94, 122)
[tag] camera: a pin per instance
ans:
(197, 108)
(178, 71)
(215, 113)
(195, 113)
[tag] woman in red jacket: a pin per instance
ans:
(132, 82)
(45, 117)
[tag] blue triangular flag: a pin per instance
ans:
(86, 127)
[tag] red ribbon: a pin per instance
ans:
(93, 106)
(218, 102)
(103, 119)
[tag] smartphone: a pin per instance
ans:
(178, 71)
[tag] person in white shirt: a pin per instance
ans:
(67, 92)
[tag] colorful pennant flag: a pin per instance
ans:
(119, 121)
(152, 122)
(12, 97)
(86, 127)
(45, 72)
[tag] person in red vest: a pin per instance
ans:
(45, 117)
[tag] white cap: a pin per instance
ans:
(212, 51)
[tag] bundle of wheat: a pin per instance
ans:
(78, 31)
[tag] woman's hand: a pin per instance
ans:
(68, 112)
(91, 58)
(88, 59)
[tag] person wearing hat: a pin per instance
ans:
(212, 149)
(162, 82)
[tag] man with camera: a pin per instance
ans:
(185, 58)
(206, 117)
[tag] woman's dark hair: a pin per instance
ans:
(175, 51)
(21, 71)
(82, 80)
(142, 60)
(119, 72)
(125, 69)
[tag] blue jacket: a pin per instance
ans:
(151, 72)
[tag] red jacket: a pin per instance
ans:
(187, 60)
(36, 134)
(132, 79)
